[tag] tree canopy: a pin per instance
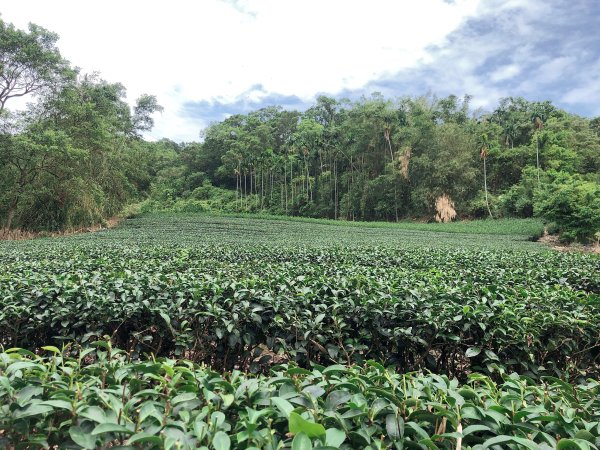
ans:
(70, 158)
(29, 62)
(77, 155)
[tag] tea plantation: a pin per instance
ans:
(217, 332)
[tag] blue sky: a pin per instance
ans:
(207, 60)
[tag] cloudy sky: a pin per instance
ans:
(207, 59)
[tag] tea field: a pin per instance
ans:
(200, 230)
(217, 332)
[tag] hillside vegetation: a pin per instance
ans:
(76, 156)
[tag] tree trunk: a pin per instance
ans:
(485, 188)
(335, 189)
(12, 209)
(537, 157)
(396, 200)
(351, 188)
(292, 182)
(386, 134)
(285, 187)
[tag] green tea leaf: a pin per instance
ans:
(82, 438)
(394, 426)
(301, 442)
(221, 441)
(32, 410)
(52, 349)
(526, 443)
(334, 437)
(472, 352)
(185, 397)
(573, 444)
(110, 428)
(283, 405)
(144, 438)
(298, 424)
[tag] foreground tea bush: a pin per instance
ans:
(112, 402)
(219, 299)
(249, 307)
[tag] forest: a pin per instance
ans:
(76, 155)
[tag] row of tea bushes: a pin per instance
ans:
(446, 311)
(100, 398)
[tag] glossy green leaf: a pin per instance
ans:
(298, 424)
(221, 441)
(472, 352)
(334, 437)
(301, 442)
(110, 428)
(82, 438)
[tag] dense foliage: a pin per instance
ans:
(71, 158)
(75, 157)
(287, 320)
(227, 332)
(243, 297)
(381, 159)
(573, 204)
(111, 401)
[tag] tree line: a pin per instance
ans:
(70, 158)
(391, 159)
(75, 156)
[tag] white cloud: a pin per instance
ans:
(505, 73)
(519, 48)
(206, 50)
(587, 89)
(582, 93)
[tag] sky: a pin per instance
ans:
(208, 59)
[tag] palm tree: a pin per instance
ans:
(538, 125)
(484, 145)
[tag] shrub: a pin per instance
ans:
(518, 200)
(572, 204)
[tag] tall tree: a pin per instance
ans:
(29, 62)
(538, 125)
(146, 105)
(484, 148)
(29, 157)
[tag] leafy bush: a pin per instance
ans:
(133, 210)
(190, 206)
(111, 401)
(230, 292)
(572, 204)
(518, 200)
(286, 299)
(205, 198)
(478, 209)
(209, 192)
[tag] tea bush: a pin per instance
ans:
(112, 402)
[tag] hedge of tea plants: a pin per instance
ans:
(250, 307)
(238, 333)
(102, 399)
